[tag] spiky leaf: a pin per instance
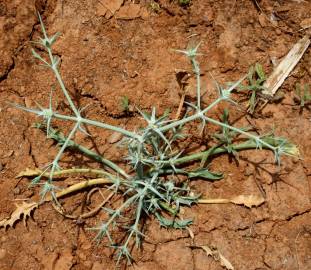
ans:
(205, 174)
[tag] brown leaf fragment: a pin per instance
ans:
(208, 250)
(224, 262)
(248, 200)
(29, 173)
(191, 234)
(217, 256)
(22, 212)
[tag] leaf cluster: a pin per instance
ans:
(255, 80)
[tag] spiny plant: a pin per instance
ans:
(126, 106)
(152, 186)
(255, 80)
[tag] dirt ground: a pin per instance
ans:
(106, 56)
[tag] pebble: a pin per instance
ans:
(2, 253)
(86, 246)
(82, 256)
(28, 193)
(88, 264)
(3, 238)
(114, 137)
(248, 170)
(17, 191)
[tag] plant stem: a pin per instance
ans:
(196, 69)
(59, 137)
(61, 83)
(53, 66)
(97, 124)
(256, 138)
(212, 201)
(165, 206)
(124, 205)
(220, 150)
(190, 118)
(79, 186)
(60, 152)
(60, 173)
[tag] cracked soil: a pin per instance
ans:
(104, 58)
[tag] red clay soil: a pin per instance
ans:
(106, 56)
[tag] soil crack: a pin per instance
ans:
(8, 71)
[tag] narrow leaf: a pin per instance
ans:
(205, 174)
(173, 223)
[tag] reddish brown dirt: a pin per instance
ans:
(130, 55)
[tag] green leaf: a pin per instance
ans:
(187, 200)
(260, 72)
(225, 116)
(206, 174)
(35, 181)
(173, 223)
(125, 103)
(54, 38)
(252, 102)
(250, 75)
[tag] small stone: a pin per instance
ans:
(2, 253)
(3, 238)
(262, 20)
(295, 160)
(17, 191)
(144, 14)
(306, 23)
(28, 193)
(248, 171)
(86, 246)
(28, 102)
(82, 256)
(114, 137)
(88, 264)
(129, 12)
